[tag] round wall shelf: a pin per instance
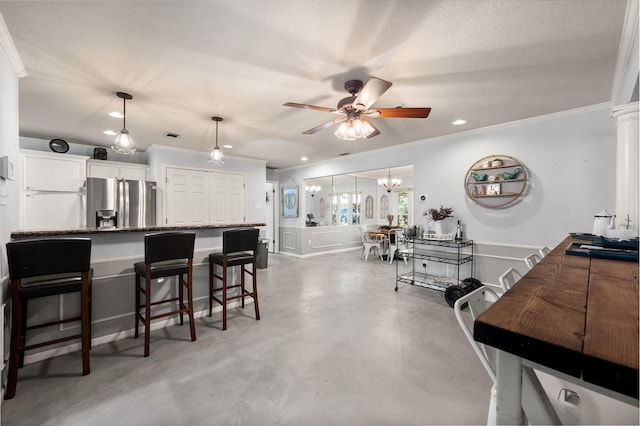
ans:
(496, 181)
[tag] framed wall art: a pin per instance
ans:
(289, 201)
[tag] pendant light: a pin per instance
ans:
(216, 156)
(124, 142)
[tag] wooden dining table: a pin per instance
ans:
(575, 317)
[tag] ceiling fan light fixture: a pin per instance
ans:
(354, 129)
(124, 142)
(216, 156)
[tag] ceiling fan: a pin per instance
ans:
(354, 111)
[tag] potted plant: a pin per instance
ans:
(496, 162)
(438, 216)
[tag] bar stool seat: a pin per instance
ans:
(239, 248)
(166, 254)
(42, 268)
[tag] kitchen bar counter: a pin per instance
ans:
(90, 231)
(113, 254)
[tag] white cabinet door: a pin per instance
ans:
(42, 172)
(56, 210)
(103, 170)
(133, 173)
(187, 196)
(227, 198)
(114, 169)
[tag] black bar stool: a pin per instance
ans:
(41, 268)
(239, 248)
(166, 254)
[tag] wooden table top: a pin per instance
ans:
(573, 314)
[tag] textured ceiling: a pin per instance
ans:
(488, 62)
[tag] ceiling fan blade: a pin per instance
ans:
(305, 106)
(371, 91)
(324, 125)
(398, 113)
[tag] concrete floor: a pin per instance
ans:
(336, 345)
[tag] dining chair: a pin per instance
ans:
(532, 260)
(535, 400)
(39, 269)
(398, 244)
(544, 251)
(509, 278)
(369, 243)
(166, 254)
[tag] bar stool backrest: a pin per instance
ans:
(168, 246)
(33, 258)
(238, 240)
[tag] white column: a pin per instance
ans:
(627, 158)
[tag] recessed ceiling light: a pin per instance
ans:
(459, 122)
(116, 114)
(227, 146)
(304, 159)
(109, 132)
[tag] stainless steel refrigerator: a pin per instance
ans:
(133, 200)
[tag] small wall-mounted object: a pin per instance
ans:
(496, 181)
(7, 170)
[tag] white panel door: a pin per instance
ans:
(187, 197)
(227, 198)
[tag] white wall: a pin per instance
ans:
(570, 157)
(9, 216)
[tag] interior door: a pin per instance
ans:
(187, 196)
(227, 198)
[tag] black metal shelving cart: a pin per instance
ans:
(422, 251)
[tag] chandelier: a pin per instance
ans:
(313, 189)
(389, 183)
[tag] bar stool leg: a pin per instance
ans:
(192, 323)
(14, 354)
(85, 325)
(211, 280)
(243, 290)
(224, 295)
(147, 312)
(255, 291)
(181, 297)
(23, 331)
(136, 311)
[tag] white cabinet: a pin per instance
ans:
(42, 171)
(52, 191)
(114, 169)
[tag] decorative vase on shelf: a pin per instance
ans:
(438, 227)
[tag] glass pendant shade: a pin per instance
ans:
(216, 156)
(124, 142)
(354, 129)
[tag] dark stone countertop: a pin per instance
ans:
(93, 231)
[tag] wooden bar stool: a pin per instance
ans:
(41, 268)
(166, 254)
(239, 248)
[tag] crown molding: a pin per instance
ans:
(626, 73)
(10, 49)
